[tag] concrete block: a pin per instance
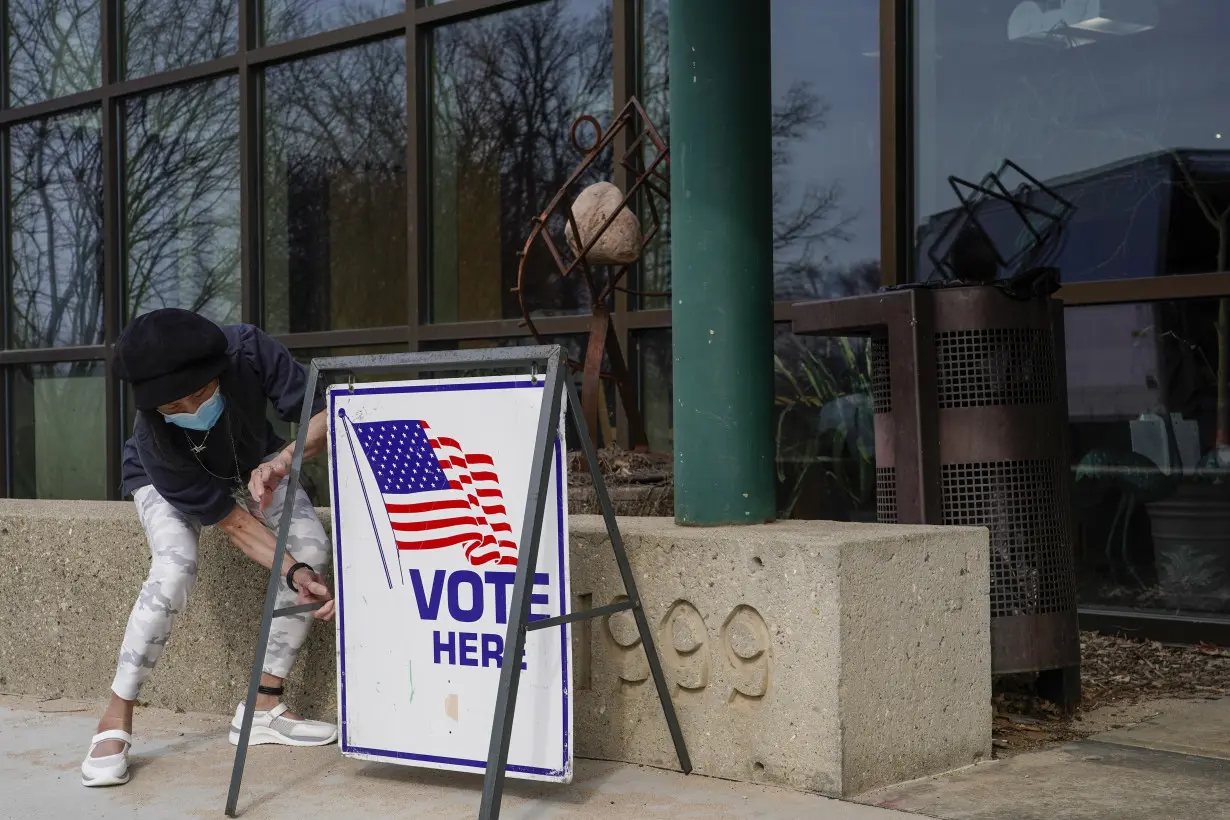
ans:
(823, 656)
(69, 574)
(827, 657)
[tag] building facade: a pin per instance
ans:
(359, 176)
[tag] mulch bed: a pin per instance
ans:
(1115, 672)
(623, 468)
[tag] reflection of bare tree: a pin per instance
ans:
(335, 179)
(505, 91)
(181, 196)
(805, 231)
(55, 48)
(180, 173)
(655, 267)
(56, 232)
(180, 169)
(806, 228)
(167, 34)
(292, 19)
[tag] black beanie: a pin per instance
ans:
(168, 354)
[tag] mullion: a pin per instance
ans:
(623, 87)
(418, 95)
(251, 168)
(1146, 289)
(455, 11)
(113, 239)
(382, 28)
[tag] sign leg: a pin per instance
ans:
(271, 593)
(625, 571)
(527, 560)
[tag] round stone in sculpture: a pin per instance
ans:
(621, 243)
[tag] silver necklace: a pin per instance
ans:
(198, 449)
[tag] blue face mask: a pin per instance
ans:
(205, 417)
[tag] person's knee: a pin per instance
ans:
(169, 584)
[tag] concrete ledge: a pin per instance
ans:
(69, 575)
(827, 657)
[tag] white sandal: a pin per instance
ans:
(274, 727)
(111, 770)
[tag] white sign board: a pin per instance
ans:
(429, 484)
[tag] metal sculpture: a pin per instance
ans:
(645, 156)
(971, 255)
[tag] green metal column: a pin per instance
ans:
(722, 260)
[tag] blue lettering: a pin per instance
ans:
(475, 610)
(501, 581)
(493, 650)
(448, 647)
(469, 648)
(429, 607)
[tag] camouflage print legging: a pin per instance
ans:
(173, 539)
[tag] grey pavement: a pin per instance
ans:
(1173, 765)
(181, 767)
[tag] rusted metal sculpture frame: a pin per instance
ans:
(654, 181)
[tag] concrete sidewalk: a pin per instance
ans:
(1173, 764)
(182, 763)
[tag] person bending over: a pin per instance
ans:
(203, 453)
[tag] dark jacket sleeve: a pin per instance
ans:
(188, 489)
(282, 377)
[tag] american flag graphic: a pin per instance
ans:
(437, 495)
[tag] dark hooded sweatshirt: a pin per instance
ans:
(262, 373)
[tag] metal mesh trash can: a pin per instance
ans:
(970, 399)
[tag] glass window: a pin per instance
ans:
(56, 245)
(824, 427)
(574, 347)
(57, 438)
(505, 90)
(335, 191)
(292, 19)
(654, 270)
(315, 473)
(1121, 114)
(655, 359)
(162, 35)
(181, 200)
(826, 145)
(824, 433)
(1150, 422)
(54, 48)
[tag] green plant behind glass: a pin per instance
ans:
(826, 393)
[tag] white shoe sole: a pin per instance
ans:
(262, 735)
(105, 780)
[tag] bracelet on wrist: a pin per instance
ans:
(290, 575)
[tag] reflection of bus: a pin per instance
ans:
(1132, 218)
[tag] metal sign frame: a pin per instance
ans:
(557, 384)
